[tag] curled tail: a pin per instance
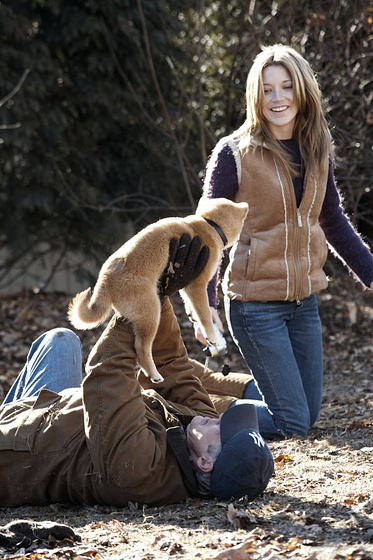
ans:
(86, 312)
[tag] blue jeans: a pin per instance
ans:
(54, 362)
(281, 343)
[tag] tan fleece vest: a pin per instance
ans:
(281, 249)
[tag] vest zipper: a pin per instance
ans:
(296, 260)
(297, 267)
(299, 218)
(298, 222)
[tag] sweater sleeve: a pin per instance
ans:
(221, 181)
(344, 241)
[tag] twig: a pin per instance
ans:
(16, 89)
(54, 268)
(180, 152)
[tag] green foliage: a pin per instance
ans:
(91, 132)
(124, 100)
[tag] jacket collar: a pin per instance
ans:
(177, 443)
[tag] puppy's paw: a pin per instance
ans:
(156, 379)
(218, 340)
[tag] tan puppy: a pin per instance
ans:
(128, 280)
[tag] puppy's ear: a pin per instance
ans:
(244, 207)
(205, 204)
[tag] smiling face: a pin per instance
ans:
(279, 106)
(203, 434)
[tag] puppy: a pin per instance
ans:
(128, 280)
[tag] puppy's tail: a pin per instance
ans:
(85, 312)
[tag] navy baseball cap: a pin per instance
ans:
(245, 464)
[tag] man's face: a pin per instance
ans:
(203, 432)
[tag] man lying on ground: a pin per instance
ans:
(105, 440)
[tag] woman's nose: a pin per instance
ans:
(277, 94)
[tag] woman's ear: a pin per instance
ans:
(205, 464)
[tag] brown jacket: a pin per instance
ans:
(108, 442)
(282, 248)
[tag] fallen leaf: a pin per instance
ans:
(349, 501)
(280, 460)
(359, 424)
(240, 518)
(241, 551)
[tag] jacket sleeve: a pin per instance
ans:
(125, 446)
(180, 385)
(221, 178)
(126, 441)
(223, 390)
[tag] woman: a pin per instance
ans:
(280, 162)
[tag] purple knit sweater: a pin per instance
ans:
(342, 238)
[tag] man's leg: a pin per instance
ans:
(54, 362)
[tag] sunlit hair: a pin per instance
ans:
(310, 130)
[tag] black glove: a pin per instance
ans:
(22, 534)
(186, 262)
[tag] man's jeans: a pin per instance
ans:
(54, 362)
(281, 343)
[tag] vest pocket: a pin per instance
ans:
(250, 259)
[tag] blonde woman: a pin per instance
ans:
(280, 161)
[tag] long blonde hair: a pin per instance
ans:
(311, 131)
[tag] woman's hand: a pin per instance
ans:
(216, 319)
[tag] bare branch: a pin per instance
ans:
(10, 126)
(124, 76)
(16, 89)
(179, 150)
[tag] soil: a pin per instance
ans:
(319, 504)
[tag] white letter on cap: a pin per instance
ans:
(259, 441)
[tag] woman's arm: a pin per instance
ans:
(221, 181)
(345, 241)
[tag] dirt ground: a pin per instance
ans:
(319, 504)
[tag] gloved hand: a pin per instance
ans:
(22, 533)
(186, 262)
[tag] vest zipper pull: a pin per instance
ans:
(299, 219)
